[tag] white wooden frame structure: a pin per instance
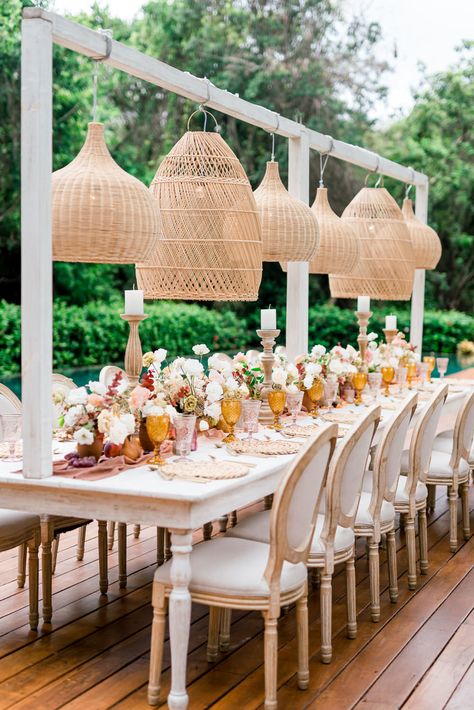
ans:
(40, 29)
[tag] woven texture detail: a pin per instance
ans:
(211, 248)
(385, 269)
(101, 214)
(425, 242)
(289, 229)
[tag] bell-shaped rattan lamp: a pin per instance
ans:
(426, 243)
(289, 228)
(101, 214)
(385, 269)
(212, 246)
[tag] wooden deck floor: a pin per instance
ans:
(95, 656)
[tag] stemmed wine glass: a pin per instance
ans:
(442, 365)
(11, 433)
(294, 401)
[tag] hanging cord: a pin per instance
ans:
(201, 109)
(323, 161)
(107, 34)
(273, 146)
(409, 187)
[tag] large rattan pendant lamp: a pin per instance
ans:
(289, 228)
(426, 243)
(212, 246)
(385, 269)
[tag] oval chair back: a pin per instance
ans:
(9, 402)
(61, 385)
(108, 373)
(295, 507)
(463, 433)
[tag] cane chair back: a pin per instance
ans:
(9, 402)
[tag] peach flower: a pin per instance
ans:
(96, 400)
(139, 396)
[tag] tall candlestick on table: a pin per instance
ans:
(363, 315)
(390, 329)
(134, 315)
(268, 337)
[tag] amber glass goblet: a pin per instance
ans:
(231, 412)
(157, 427)
(431, 361)
(359, 380)
(411, 373)
(315, 393)
(276, 402)
(388, 373)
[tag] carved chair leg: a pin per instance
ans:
(351, 599)
(374, 576)
(233, 519)
(47, 533)
(213, 634)
(453, 518)
(33, 580)
(103, 567)
(160, 546)
(431, 503)
(54, 553)
(223, 520)
(315, 577)
(392, 566)
(271, 661)
(207, 531)
(411, 551)
(81, 542)
(20, 580)
(224, 631)
(157, 640)
(466, 522)
(423, 538)
(122, 554)
(303, 642)
(111, 534)
(136, 531)
(326, 617)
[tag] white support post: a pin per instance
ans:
(297, 284)
(36, 249)
(418, 296)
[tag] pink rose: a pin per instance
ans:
(96, 400)
(139, 396)
(240, 357)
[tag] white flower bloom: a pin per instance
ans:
(308, 381)
(231, 384)
(77, 396)
(372, 336)
(351, 369)
(215, 363)
(117, 431)
(83, 436)
(170, 411)
(318, 351)
(97, 388)
(279, 376)
(128, 420)
(192, 367)
(313, 368)
(292, 371)
(292, 389)
(103, 421)
(351, 352)
(214, 392)
(336, 366)
(159, 355)
(178, 363)
(203, 425)
(89, 408)
(373, 345)
(393, 361)
(213, 410)
(152, 409)
(244, 390)
(200, 349)
(72, 415)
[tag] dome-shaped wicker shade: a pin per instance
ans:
(289, 228)
(426, 243)
(212, 245)
(385, 269)
(101, 214)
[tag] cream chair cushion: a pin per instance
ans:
(364, 518)
(257, 527)
(440, 468)
(444, 442)
(16, 525)
(402, 498)
(234, 567)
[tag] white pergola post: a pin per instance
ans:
(418, 296)
(297, 284)
(36, 250)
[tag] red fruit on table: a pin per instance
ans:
(111, 450)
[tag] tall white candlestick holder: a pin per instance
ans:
(363, 318)
(267, 338)
(389, 335)
(133, 353)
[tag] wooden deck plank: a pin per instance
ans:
(462, 698)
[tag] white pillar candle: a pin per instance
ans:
(134, 303)
(363, 304)
(390, 322)
(268, 319)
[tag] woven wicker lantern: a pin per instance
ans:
(426, 243)
(385, 269)
(101, 214)
(212, 245)
(289, 228)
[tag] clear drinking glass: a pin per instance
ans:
(185, 425)
(330, 392)
(424, 370)
(294, 401)
(11, 433)
(442, 365)
(402, 374)
(375, 382)
(250, 414)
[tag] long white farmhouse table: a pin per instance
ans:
(142, 496)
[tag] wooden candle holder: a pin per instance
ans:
(363, 318)
(267, 338)
(133, 353)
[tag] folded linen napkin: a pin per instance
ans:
(105, 468)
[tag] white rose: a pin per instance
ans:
(308, 381)
(97, 388)
(215, 363)
(279, 376)
(128, 420)
(178, 363)
(117, 432)
(72, 415)
(313, 368)
(77, 396)
(231, 384)
(336, 366)
(214, 392)
(159, 355)
(200, 349)
(318, 351)
(192, 367)
(213, 410)
(203, 425)
(83, 436)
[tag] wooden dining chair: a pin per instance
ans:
(376, 513)
(333, 540)
(450, 466)
(234, 573)
(411, 493)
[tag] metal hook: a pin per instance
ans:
(107, 34)
(201, 109)
(409, 187)
(273, 146)
(323, 163)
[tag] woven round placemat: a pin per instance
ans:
(264, 448)
(300, 430)
(340, 417)
(203, 470)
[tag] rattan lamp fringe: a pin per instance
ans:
(385, 269)
(289, 228)
(212, 245)
(338, 248)
(426, 243)
(101, 214)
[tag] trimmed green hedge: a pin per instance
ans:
(95, 334)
